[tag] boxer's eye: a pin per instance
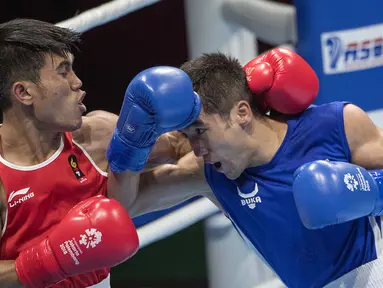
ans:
(200, 131)
(65, 68)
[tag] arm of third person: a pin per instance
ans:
(8, 276)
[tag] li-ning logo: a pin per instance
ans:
(91, 239)
(22, 195)
(250, 199)
(76, 169)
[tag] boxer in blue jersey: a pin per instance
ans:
(295, 183)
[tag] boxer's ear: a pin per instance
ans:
(242, 113)
(21, 91)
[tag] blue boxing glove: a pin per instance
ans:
(158, 100)
(328, 193)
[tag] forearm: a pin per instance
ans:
(8, 275)
(169, 148)
(169, 185)
(154, 195)
(123, 187)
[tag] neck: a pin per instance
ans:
(22, 143)
(272, 132)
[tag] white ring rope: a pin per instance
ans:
(104, 13)
(175, 221)
(181, 218)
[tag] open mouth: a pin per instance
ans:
(217, 165)
(82, 107)
(80, 104)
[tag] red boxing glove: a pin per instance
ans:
(282, 81)
(97, 233)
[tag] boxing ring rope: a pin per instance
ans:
(271, 22)
(104, 13)
(176, 221)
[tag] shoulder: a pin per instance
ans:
(95, 134)
(96, 126)
(324, 109)
(327, 118)
(353, 114)
(358, 126)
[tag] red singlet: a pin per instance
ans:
(40, 196)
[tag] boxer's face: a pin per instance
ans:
(221, 142)
(57, 98)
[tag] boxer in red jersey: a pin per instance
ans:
(52, 158)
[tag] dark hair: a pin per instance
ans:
(24, 44)
(220, 81)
